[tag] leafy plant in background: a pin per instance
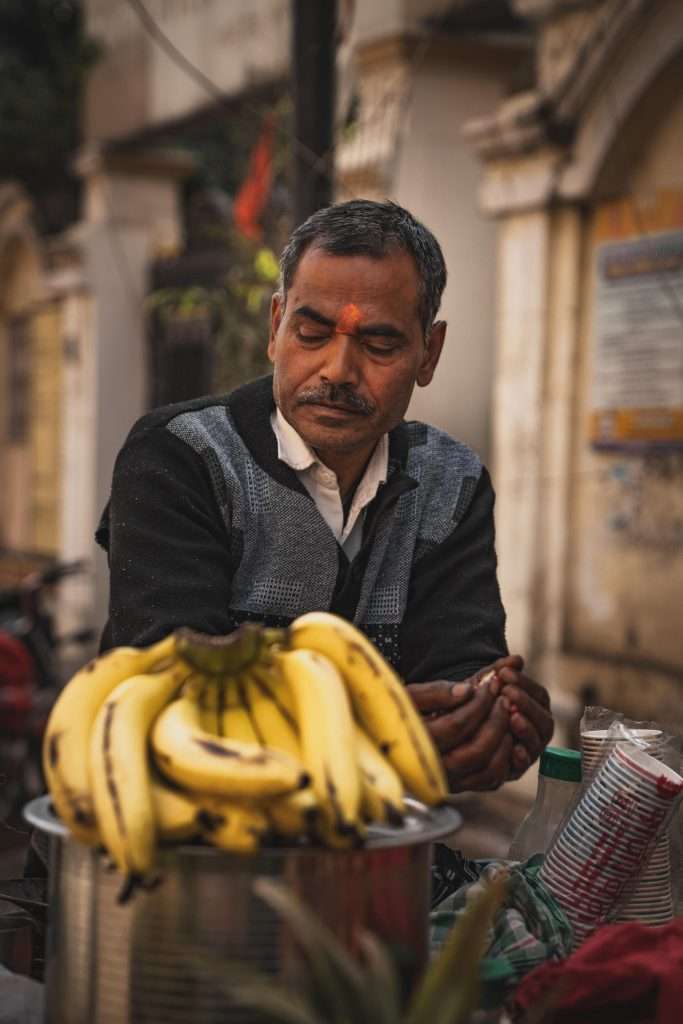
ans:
(230, 277)
(338, 989)
(238, 312)
(44, 60)
(242, 337)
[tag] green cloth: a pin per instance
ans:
(529, 929)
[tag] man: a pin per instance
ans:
(307, 490)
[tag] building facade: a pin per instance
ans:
(583, 175)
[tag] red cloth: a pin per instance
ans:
(624, 973)
(252, 197)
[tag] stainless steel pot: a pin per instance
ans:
(162, 957)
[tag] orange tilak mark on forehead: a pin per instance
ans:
(349, 319)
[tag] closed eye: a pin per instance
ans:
(305, 333)
(379, 349)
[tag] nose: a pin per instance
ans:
(340, 363)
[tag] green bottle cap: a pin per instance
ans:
(561, 763)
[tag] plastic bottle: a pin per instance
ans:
(559, 777)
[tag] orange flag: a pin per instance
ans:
(253, 195)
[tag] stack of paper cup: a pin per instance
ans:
(607, 836)
(648, 897)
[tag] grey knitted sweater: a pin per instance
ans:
(206, 527)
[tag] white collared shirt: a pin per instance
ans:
(322, 485)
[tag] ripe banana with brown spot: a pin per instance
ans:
(271, 710)
(270, 724)
(380, 701)
(119, 766)
(326, 735)
(233, 826)
(175, 812)
(294, 816)
(236, 723)
(67, 735)
(381, 787)
(198, 761)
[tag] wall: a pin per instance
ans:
(135, 84)
(437, 178)
(625, 581)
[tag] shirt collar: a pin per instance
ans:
(293, 450)
(291, 447)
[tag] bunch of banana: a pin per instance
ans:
(263, 735)
(208, 775)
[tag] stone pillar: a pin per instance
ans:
(131, 216)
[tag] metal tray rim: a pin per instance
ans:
(438, 822)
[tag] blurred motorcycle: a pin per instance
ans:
(30, 680)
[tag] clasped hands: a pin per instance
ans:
(489, 728)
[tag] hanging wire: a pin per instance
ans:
(156, 33)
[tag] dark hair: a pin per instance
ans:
(362, 227)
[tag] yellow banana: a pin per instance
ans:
(330, 836)
(231, 825)
(326, 735)
(267, 699)
(379, 699)
(295, 814)
(67, 735)
(210, 701)
(381, 787)
(272, 725)
(212, 764)
(119, 766)
(267, 672)
(175, 812)
(236, 723)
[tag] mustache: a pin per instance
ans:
(336, 394)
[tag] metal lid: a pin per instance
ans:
(561, 763)
(421, 825)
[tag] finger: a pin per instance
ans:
(439, 695)
(461, 693)
(513, 662)
(494, 775)
(525, 734)
(473, 754)
(452, 729)
(530, 710)
(520, 761)
(509, 676)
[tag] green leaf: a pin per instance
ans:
(338, 981)
(266, 265)
(450, 989)
(277, 1005)
(382, 985)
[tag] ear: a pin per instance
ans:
(432, 353)
(277, 307)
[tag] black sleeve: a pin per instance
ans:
(455, 622)
(168, 547)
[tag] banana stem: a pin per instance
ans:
(220, 655)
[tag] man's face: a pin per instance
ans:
(348, 349)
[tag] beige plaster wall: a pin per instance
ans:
(625, 571)
(436, 177)
(135, 84)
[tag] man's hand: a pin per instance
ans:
(531, 722)
(489, 728)
(469, 724)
